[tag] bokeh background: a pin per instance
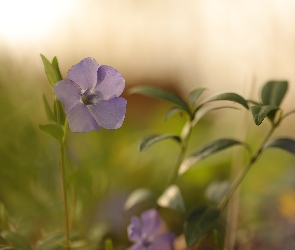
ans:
(226, 46)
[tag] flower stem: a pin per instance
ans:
(243, 173)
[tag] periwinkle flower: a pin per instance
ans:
(146, 235)
(90, 95)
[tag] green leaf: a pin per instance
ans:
(4, 220)
(172, 111)
(16, 240)
(62, 114)
(54, 130)
(56, 68)
(172, 198)
(194, 95)
(108, 244)
(199, 222)
(50, 71)
(3, 247)
(204, 110)
(260, 112)
(286, 144)
(48, 110)
(207, 150)
(273, 92)
(152, 139)
(228, 97)
(216, 190)
(139, 196)
(54, 241)
(161, 94)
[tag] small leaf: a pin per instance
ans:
(16, 240)
(260, 112)
(194, 95)
(172, 198)
(48, 110)
(54, 241)
(172, 111)
(204, 110)
(108, 244)
(50, 71)
(228, 97)
(56, 68)
(216, 190)
(273, 92)
(54, 130)
(160, 94)
(286, 144)
(139, 196)
(199, 222)
(152, 139)
(207, 150)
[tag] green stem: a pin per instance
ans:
(243, 173)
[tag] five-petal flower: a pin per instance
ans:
(90, 95)
(145, 232)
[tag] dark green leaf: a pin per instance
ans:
(48, 110)
(161, 94)
(286, 144)
(139, 196)
(16, 240)
(151, 139)
(199, 222)
(216, 190)
(54, 241)
(50, 71)
(173, 111)
(3, 247)
(273, 92)
(260, 112)
(228, 97)
(54, 130)
(172, 198)
(207, 150)
(56, 68)
(108, 244)
(194, 95)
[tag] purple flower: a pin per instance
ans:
(90, 95)
(145, 233)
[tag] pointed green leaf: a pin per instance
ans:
(108, 244)
(216, 190)
(62, 114)
(199, 222)
(207, 150)
(3, 247)
(194, 95)
(286, 144)
(260, 112)
(54, 241)
(206, 109)
(139, 196)
(228, 97)
(48, 110)
(56, 68)
(16, 240)
(54, 130)
(160, 94)
(172, 111)
(273, 92)
(172, 198)
(50, 71)
(152, 139)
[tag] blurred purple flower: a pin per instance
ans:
(90, 95)
(145, 233)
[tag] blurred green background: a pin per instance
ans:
(108, 166)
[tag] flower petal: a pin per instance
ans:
(164, 241)
(84, 73)
(151, 222)
(134, 229)
(109, 114)
(81, 119)
(110, 82)
(68, 93)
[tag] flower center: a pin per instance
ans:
(88, 98)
